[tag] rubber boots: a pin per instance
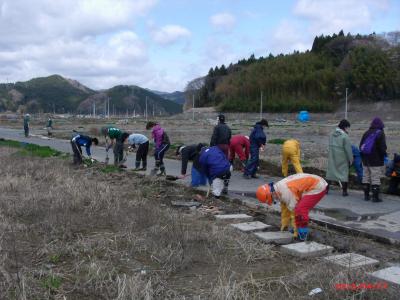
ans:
(344, 189)
(375, 193)
(367, 188)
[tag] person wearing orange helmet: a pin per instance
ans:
(297, 194)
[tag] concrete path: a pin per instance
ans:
(376, 219)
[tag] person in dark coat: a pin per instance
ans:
(191, 153)
(221, 136)
(119, 150)
(258, 140)
(373, 151)
(77, 142)
(216, 167)
(393, 172)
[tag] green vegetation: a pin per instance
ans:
(110, 169)
(313, 80)
(276, 141)
(27, 149)
(61, 95)
(51, 282)
(131, 98)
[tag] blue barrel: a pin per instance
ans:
(303, 116)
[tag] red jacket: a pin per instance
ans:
(241, 140)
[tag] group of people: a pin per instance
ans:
(297, 194)
(215, 163)
(369, 159)
(27, 120)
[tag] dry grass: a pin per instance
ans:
(81, 234)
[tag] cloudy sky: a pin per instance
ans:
(163, 44)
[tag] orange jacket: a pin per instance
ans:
(291, 189)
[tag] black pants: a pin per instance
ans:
(393, 185)
(26, 131)
(77, 153)
(141, 155)
(118, 152)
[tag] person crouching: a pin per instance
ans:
(77, 142)
(216, 167)
(297, 194)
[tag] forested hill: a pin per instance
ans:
(61, 95)
(369, 66)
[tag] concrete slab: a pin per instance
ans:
(391, 275)
(275, 237)
(251, 226)
(351, 260)
(231, 218)
(185, 203)
(307, 249)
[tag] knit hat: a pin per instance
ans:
(377, 124)
(221, 118)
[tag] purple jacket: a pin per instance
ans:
(157, 134)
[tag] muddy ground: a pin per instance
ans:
(87, 233)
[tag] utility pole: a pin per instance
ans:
(261, 105)
(146, 108)
(153, 109)
(345, 109)
(193, 107)
(94, 109)
(108, 107)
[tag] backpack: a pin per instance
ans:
(165, 139)
(369, 142)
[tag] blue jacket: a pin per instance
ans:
(83, 140)
(357, 163)
(257, 136)
(214, 162)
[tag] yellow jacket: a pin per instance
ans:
(291, 146)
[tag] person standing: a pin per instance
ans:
(49, 127)
(291, 152)
(191, 153)
(258, 140)
(239, 145)
(373, 151)
(340, 156)
(161, 146)
(27, 119)
(78, 141)
(143, 148)
(221, 135)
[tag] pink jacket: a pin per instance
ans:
(157, 134)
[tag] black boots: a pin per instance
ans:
(366, 192)
(375, 193)
(344, 189)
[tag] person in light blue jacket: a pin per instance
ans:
(142, 141)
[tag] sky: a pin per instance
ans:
(163, 44)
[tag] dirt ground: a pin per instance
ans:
(313, 136)
(84, 233)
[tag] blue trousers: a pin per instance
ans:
(198, 178)
(252, 164)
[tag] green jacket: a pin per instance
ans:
(340, 156)
(114, 133)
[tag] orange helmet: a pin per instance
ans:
(264, 193)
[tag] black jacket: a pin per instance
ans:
(376, 158)
(221, 135)
(190, 153)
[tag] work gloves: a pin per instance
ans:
(302, 233)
